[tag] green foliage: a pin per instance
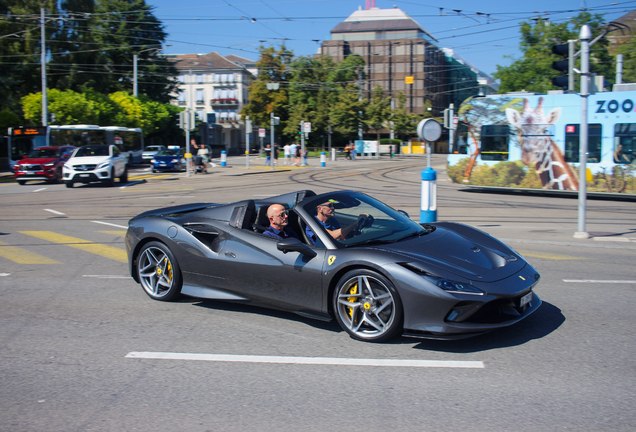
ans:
(378, 110)
(8, 119)
(533, 71)
(503, 174)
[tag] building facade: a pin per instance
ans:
(400, 56)
(215, 87)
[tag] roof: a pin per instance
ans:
(376, 19)
(211, 61)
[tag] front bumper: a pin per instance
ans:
(86, 176)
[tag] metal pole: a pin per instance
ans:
(360, 112)
(329, 140)
(271, 152)
(619, 69)
(571, 58)
(247, 141)
(585, 36)
(45, 101)
(451, 130)
(135, 75)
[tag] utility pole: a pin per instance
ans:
(45, 102)
(271, 153)
(585, 35)
(135, 75)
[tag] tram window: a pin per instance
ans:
(624, 136)
(461, 138)
(594, 139)
(494, 142)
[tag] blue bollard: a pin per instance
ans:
(323, 159)
(428, 209)
(223, 158)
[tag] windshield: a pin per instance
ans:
(98, 150)
(361, 219)
(45, 153)
(169, 152)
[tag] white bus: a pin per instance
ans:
(24, 139)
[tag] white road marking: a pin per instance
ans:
(600, 281)
(306, 360)
(110, 224)
(169, 196)
(616, 239)
(107, 276)
(131, 184)
(4, 274)
(38, 190)
(54, 212)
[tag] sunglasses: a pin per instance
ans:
(327, 205)
(283, 214)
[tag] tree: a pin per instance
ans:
(274, 67)
(628, 49)
(348, 113)
(405, 123)
(533, 71)
(378, 110)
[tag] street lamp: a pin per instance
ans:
(135, 68)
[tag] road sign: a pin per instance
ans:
(429, 130)
(408, 80)
(261, 133)
(307, 127)
(455, 121)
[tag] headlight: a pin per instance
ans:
(49, 164)
(174, 161)
(152, 161)
(103, 165)
(457, 287)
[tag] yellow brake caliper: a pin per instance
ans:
(168, 270)
(353, 290)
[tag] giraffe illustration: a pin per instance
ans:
(538, 148)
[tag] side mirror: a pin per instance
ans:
(292, 244)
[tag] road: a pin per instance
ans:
(71, 317)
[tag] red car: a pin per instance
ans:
(43, 163)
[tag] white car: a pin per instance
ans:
(150, 152)
(95, 163)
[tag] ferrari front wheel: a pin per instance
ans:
(159, 272)
(367, 306)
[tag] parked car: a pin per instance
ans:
(150, 152)
(43, 163)
(96, 163)
(170, 159)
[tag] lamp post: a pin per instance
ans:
(135, 68)
(45, 104)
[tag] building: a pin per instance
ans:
(401, 56)
(465, 80)
(215, 86)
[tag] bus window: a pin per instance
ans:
(625, 137)
(460, 145)
(594, 139)
(494, 142)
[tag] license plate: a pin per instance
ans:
(83, 175)
(525, 300)
(30, 172)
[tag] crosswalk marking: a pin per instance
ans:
(23, 256)
(116, 233)
(111, 252)
(549, 256)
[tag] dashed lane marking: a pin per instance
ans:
(106, 251)
(115, 233)
(110, 224)
(599, 281)
(23, 256)
(306, 360)
(55, 212)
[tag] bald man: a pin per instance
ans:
(278, 221)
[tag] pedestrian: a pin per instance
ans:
(297, 155)
(275, 154)
(347, 150)
(391, 151)
(268, 154)
(353, 152)
(292, 152)
(287, 153)
(305, 154)
(194, 149)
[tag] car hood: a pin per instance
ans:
(88, 160)
(34, 161)
(167, 158)
(482, 259)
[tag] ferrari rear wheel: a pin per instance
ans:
(159, 272)
(367, 306)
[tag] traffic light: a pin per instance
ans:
(565, 66)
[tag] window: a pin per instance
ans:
(182, 78)
(216, 95)
(200, 96)
(593, 143)
(494, 142)
(181, 98)
(461, 139)
(230, 78)
(199, 78)
(624, 143)
(217, 77)
(201, 115)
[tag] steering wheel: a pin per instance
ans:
(364, 221)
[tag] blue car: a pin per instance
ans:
(170, 159)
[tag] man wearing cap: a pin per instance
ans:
(325, 215)
(278, 221)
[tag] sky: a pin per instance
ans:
(482, 32)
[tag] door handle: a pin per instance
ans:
(230, 255)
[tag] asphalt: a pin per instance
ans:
(523, 216)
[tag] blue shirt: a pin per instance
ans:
(285, 233)
(331, 225)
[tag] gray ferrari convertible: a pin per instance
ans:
(352, 258)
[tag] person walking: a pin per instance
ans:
(194, 149)
(292, 153)
(287, 153)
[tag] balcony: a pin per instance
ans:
(224, 102)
